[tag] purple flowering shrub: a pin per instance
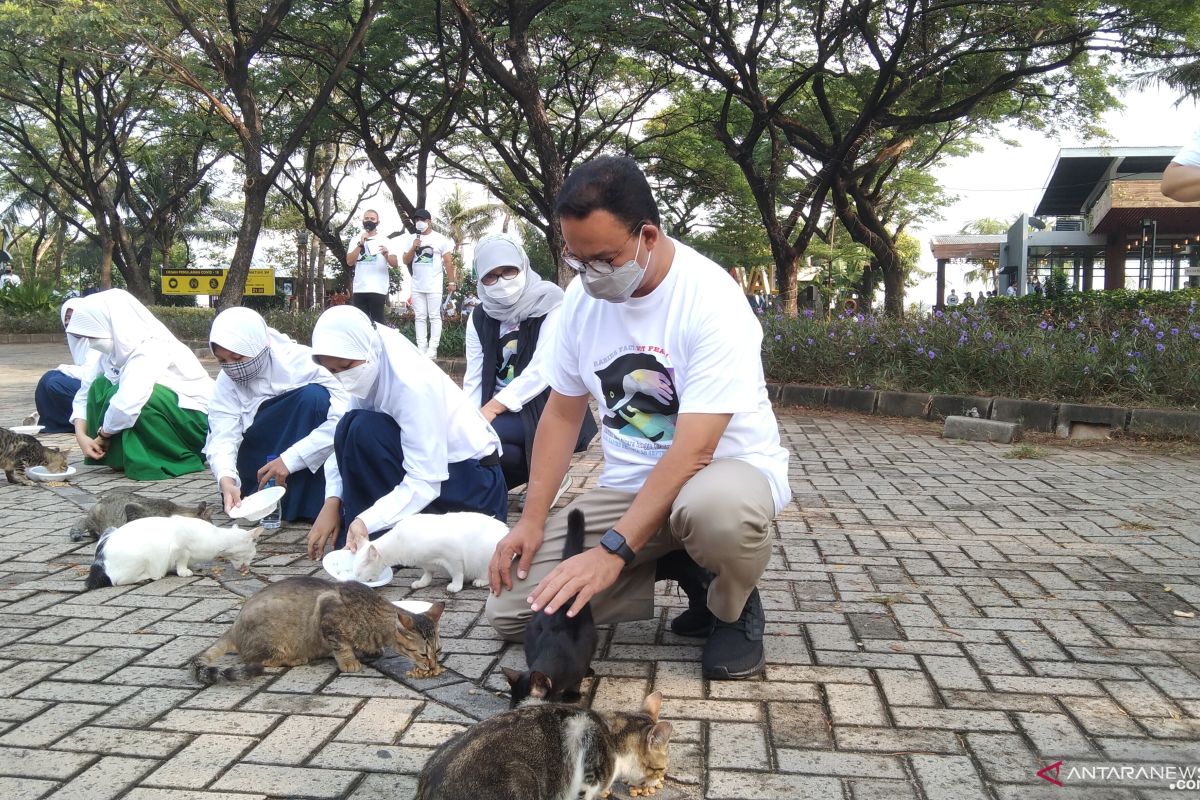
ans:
(1144, 355)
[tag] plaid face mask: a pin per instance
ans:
(248, 369)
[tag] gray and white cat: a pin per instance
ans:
(296, 620)
(460, 544)
(116, 507)
(19, 451)
(550, 751)
(146, 549)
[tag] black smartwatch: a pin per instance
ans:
(614, 542)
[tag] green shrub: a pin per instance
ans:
(189, 324)
(34, 322)
(1108, 352)
(32, 296)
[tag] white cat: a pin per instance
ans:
(460, 544)
(147, 548)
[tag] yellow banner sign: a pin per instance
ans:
(259, 282)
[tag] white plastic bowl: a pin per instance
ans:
(340, 566)
(412, 606)
(39, 473)
(31, 430)
(259, 504)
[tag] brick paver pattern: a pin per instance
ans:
(943, 622)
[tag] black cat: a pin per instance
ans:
(558, 648)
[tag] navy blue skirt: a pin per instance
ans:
(371, 462)
(280, 423)
(53, 398)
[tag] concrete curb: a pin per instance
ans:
(1037, 415)
(981, 430)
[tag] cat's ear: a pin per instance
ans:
(435, 612)
(652, 704)
(373, 553)
(255, 533)
(658, 736)
(540, 685)
(203, 512)
(512, 676)
(406, 621)
(135, 511)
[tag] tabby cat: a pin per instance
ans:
(19, 451)
(550, 751)
(119, 506)
(298, 619)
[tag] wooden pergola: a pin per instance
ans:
(968, 248)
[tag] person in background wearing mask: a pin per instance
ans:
(370, 259)
(9, 278)
(430, 255)
(269, 398)
(54, 396)
(693, 469)
(145, 410)
(510, 340)
(411, 442)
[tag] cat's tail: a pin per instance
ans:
(575, 530)
(97, 578)
(203, 670)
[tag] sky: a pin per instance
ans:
(1003, 180)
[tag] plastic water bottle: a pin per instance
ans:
(271, 520)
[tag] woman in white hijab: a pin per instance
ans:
(145, 414)
(54, 396)
(272, 415)
(509, 344)
(411, 442)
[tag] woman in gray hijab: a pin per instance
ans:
(509, 346)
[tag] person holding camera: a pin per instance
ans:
(369, 259)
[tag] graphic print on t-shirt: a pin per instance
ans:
(506, 369)
(640, 398)
(424, 255)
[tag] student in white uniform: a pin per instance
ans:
(272, 415)
(145, 414)
(54, 396)
(693, 468)
(510, 341)
(431, 256)
(412, 442)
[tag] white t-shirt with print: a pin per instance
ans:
(371, 271)
(686, 347)
(1189, 156)
(427, 265)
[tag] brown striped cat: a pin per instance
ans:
(19, 451)
(296, 620)
(550, 751)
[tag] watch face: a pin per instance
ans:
(612, 541)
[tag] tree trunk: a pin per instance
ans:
(106, 263)
(243, 253)
(893, 293)
(866, 287)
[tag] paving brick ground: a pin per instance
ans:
(943, 622)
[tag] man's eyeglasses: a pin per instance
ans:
(598, 266)
(508, 273)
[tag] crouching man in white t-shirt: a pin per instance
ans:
(693, 468)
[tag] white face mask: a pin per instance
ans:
(422, 226)
(358, 381)
(79, 348)
(104, 345)
(504, 293)
(620, 284)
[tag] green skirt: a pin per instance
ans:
(166, 441)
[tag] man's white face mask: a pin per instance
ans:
(422, 226)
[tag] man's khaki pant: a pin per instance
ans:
(722, 518)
